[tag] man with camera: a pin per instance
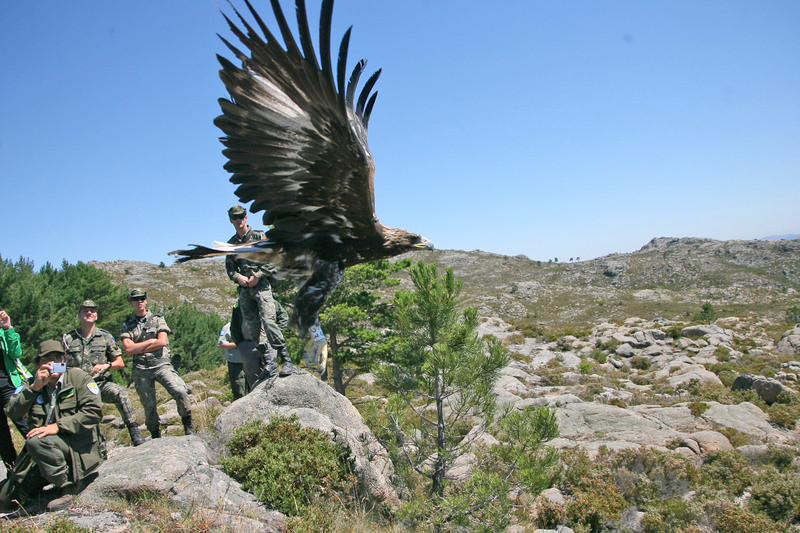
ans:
(63, 445)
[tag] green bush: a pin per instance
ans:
(697, 408)
(776, 494)
(287, 465)
(194, 342)
(598, 355)
(707, 314)
(732, 519)
(793, 315)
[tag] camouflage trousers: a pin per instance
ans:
(262, 314)
(144, 379)
(111, 392)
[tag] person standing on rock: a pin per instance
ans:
(62, 448)
(95, 351)
(259, 310)
(145, 335)
(11, 377)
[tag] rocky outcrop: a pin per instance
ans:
(185, 470)
(790, 342)
(767, 389)
(317, 405)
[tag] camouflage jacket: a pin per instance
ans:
(239, 265)
(77, 410)
(142, 329)
(98, 349)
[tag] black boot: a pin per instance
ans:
(136, 437)
(287, 367)
(270, 369)
(155, 432)
(187, 424)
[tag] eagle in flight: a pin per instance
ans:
(295, 136)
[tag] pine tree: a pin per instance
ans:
(440, 370)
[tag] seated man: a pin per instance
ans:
(63, 445)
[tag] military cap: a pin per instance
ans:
(87, 303)
(137, 293)
(48, 347)
(236, 211)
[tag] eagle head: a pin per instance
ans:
(399, 241)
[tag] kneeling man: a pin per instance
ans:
(64, 410)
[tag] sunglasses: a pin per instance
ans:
(138, 298)
(237, 217)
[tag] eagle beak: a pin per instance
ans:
(425, 244)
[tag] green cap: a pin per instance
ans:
(236, 211)
(48, 347)
(87, 303)
(137, 293)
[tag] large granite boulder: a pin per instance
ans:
(318, 406)
(767, 389)
(790, 342)
(183, 469)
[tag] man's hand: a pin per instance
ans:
(5, 320)
(42, 377)
(247, 281)
(96, 369)
(50, 429)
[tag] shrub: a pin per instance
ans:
(793, 315)
(707, 314)
(722, 354)
(286, 465)
(598, 355)
(595, 503)
(697, 408)
(640, 362)
(776, 494)
(585, 367)
(785, 411)
(732, 519)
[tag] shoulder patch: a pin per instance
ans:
(93, 388)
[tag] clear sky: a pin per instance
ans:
(546, 128)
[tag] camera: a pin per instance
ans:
(58, 368)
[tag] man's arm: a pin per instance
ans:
(90, 407)
(147, 346)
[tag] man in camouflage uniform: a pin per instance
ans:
(95, 351)
(145, 336)
(258, 307)
(63, 446)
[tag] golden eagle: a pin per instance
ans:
(296, 143)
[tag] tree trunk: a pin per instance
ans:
(441, 457)
(338, 376)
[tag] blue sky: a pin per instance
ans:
(552, 129)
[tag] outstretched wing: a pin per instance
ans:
(296, 138)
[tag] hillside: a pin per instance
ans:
(666, 278)
(666, 423)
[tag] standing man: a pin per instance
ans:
(95, 351)
(63, 446)
(255, 292)
(235, 369)
(145, 336)
(10, 379)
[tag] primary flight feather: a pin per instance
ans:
(296, 143)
